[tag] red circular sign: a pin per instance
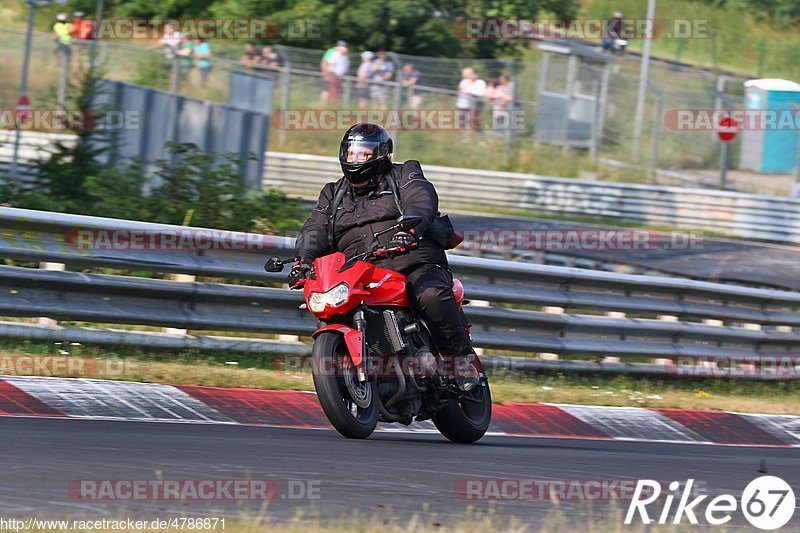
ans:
(727, 129)
(22, 110)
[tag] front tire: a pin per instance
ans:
(329, 365)
(467, 419)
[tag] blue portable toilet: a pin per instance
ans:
(771, 149)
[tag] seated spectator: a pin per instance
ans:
(252, 56)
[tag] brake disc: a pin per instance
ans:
(360, 392)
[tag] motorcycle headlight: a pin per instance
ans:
(334, 297)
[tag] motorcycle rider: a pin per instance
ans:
(367, 205)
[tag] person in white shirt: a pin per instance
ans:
(470, 97)
(338, 66)
(171, 41)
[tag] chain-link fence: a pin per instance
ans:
(301, 87)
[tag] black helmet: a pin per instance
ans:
(377, 140)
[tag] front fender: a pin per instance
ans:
(352, 338)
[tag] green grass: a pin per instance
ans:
(732, 41)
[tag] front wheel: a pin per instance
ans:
(351, 406)
(467, 419)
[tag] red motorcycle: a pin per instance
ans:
(373, 357)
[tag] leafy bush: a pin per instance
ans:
(199, 189)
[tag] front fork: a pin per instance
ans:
(360, 323)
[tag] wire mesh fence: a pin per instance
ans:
(300, 85)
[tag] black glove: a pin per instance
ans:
(297, 276)
(401, 239)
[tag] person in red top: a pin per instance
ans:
(82, 27)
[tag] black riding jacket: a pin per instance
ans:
(358, 217)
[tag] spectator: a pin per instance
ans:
(324, 68)
(613, 32)
(82, 27)
(202, 52)
(409, 77)
(502, 103)
(170, 40)
(470, 97)
(338, 65)
(63, 31)
(252, 56)
(364, 74)
(269, 59)
(490, 96)
(382, 73)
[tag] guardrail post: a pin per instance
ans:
(661, 360)
(479, 303)
(60, 267)
(553, 310)
(183, 278)
(611, 358)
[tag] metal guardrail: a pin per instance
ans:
(750, 216)
(745, 215)
(588, 313)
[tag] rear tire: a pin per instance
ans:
(349, 419)
(466, 420)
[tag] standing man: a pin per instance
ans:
(363, 74)
(63, 31)
(382, 74)
(338, 66)
(202, 52)
(409, 77)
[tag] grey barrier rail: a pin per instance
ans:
(745, 215)
(750, 216)
(516, 307)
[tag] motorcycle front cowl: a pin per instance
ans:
(330, 292)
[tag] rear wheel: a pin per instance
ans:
(350, 405)
(467, 419)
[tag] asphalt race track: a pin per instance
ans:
(708, 259)
(394, 473)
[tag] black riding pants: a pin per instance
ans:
(430, 292)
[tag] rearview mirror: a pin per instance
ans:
(275, 264)
(407, 222)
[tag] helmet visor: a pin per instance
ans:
(355, 152)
